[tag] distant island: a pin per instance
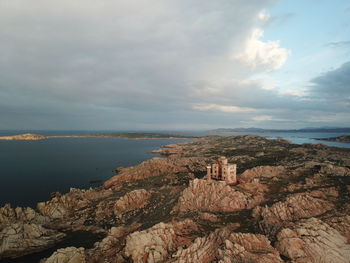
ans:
(24, 137)
(322, 129)
(342, 138)
(122, 135)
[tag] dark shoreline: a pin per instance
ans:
(76, 239)
(342, 138)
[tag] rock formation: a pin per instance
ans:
(340, 223)
(20, 214)
(156, 243)
(24, 137)
(19, 239)
(215, 196)
(242, 248)
(155, 167)
(110, 248)
(61, 205)
(133, 200)
(228, 247)
(296, 206)
(313, 241)
(262, 171)
(67, 255)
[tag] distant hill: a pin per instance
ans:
(323, 129)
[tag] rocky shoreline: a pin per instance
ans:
(24, 137)
(342, 138)
(291, 204)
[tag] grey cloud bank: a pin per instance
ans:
(149, 65)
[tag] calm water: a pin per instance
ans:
(31, 170)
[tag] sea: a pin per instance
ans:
(31, 170)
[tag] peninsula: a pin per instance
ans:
(234, 199)
(260, 130)
(342, 138)
(122, 135)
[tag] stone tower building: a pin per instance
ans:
(222, 170)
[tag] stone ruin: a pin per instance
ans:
(222, 170)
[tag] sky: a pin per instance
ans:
(174, 64)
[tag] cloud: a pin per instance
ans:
(339, 44)
(270, 119)
(266, 56)
(334, 84)
(222, 108)
(262, 118)
(103, 59)
(141, 64)
(281, 20)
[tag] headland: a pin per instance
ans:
(287, 203)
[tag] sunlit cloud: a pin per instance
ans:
(222, 108)
(259, 55)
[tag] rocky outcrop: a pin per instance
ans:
(22, 232)
(203, 249)
(228, 247)
(19, 214)
(334, 170)
(215, 196)
(158, 242)
(262, 171)
(24, 137)
(208, 217)
(133, 200)
(169, 149)
(341, 138)
(244, 248)
(67, 255)
(296, 206)
(109, 248)
(340, 223)
(313, 241)
(61, 206)
(155, 167)
(315, 180)
(19, 239)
